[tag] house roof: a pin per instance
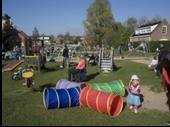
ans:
(140, 34)
(149, 24)
(146, 25)
(24, 34)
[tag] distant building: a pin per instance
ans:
(46, 39)
(158, 31)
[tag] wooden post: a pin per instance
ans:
(39, 64)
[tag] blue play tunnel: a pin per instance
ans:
(61, 98)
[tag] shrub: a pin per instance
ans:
(156, 44)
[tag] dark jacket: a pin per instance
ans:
(65, 52)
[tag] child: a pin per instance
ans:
(134, 91)
(153, 64)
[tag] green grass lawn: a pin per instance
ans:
(23, 106)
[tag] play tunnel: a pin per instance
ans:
(61, 98)
(116, 87)
(111, 104)
(66, 84)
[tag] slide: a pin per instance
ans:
(12, 66)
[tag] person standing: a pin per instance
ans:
(134, 91)
(66, 57)
(120, 51)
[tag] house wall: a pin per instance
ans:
(141, 38)
(157, 33)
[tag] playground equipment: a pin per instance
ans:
(61, 98)
(116, 87)
(18, 74)
(106, 63)
(65, 84)
(50, 58)
(28, 78)
(111, 104)
(35, 61)
(144, 46)
(12, 66)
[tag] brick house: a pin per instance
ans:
(158, 31)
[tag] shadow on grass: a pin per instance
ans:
(115, 68)
(126, 93)
(42, 87)
(92, 76)
(124, 105)
(49, 69)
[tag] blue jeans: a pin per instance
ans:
(65, 62)
(73, 74)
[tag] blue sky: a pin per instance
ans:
(61, 16)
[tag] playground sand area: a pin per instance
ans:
(152, 100)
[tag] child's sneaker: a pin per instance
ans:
(131, 107)
(135, 111)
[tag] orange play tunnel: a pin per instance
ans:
(111, 104)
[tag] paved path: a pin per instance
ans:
(144, 60)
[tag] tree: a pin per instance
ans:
(52, 38)
(35, 32)
(142, 21)
(127, 30)
(99, 25)
(67, 37)
(10, 36)
(61, 38)
(132, 22)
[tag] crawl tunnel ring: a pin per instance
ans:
(116, 87)
(66, 84)
(110, 104)
(61, 98)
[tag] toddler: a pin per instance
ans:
(133, 98)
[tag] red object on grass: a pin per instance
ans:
(111, 104)
(165, 78)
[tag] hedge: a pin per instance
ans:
(154, 44)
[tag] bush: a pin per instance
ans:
(156, 44)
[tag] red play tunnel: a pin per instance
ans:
(111, 104)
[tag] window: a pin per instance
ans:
(164, 30)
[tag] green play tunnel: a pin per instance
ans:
(116, 87)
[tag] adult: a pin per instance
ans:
(164, 55)
(66, 56)
(163, 69)
(120, 51)
(73, 73)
